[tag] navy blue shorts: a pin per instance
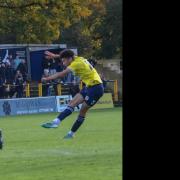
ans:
(92, 94)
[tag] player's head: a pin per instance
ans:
(66, 56)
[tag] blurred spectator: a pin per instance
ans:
(6, 90)
(45, 85)
(7, 79)
(46, 63)
(3, 71)
(16, 63)
(60, 68)
(22, 67)
(6, 58)
(74, 87)
(11, 60)
(19, 82)
(52, 70)
(69, 78)
(53, 66)
(2, 87)
(13, 74)
(9, 90)
(6, 61)
(9, 73)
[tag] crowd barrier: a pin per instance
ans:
(39, 88)
(49, 104)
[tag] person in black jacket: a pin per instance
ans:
(19, 82)
(46, 85)
(46, 64)
(3, 71)
(9, 73)
(2, 88)
(22, 67)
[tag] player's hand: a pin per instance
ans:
(49, 54)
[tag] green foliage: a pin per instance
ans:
(38, 21)
(93, 26)
(112, 33)
(99, 34)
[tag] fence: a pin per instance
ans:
(36, 89)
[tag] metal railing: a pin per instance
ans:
(37, 89)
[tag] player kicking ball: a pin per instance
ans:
(88, 96)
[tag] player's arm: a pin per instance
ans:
(57, 75)
(51, 55)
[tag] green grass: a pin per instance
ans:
(33, 153)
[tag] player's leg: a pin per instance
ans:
(78, 99)
(79, 121)
(92, 96)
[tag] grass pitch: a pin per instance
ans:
(33, 153)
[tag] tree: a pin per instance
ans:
(93, 26)
(111, 30)
(99, 34)
(82, 34)
(38, 21)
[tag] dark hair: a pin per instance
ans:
(66, 53)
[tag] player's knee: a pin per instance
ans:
(72, 103)
(83, 112)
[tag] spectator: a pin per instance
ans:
(9, 91)
(69, 78)
(74, 88)
(53, 66)
(19, 82)
(46, 63)
(6, 61)
(22, 67)
(9, 73)
(6, 58)
(45, 86)
(50, 63)
(60, 68)
(3, 71)
(6, 90)
(10, 60)
(16, 63)
(2, 87)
